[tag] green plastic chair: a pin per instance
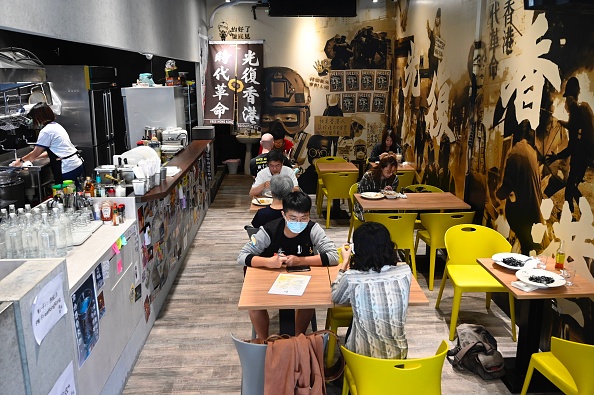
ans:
(405, 178)
(325, 159)
(336, 186)
(355, 222)
(415, 188)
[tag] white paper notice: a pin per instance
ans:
(105, 268)
(48, 307)
(65, 383)
(289, 284)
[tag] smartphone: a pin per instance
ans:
(291, 269)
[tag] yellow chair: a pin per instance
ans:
(405, 178)
(355, 222)
(402, 232)
(567, 365)
(465, 243)
(374, 376)
(422, 188)
(336, 317)
(435, 226)
(336, 186)
(325, 159)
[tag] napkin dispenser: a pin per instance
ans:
(177, 136)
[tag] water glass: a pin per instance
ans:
(541, 261)
(568, 274)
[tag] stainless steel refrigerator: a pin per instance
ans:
(92, 111)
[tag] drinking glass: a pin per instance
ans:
(568, 274)
(541, 261)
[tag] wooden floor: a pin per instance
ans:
(189, 350)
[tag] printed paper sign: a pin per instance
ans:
(48, 307)
(289, 284)
(65, 384)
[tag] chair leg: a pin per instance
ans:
(512, 316)
(528, 378)
(319, 203)
(413, 262)
(351, 226)
(328, 209)
(417, 242)
(432, 257)
(455, 310)
(331, 340)
(441, 287)
(488, 300)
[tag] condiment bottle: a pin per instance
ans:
(122, 213)
(106, 211)
(560, 257)
(89, 188)
(114, 215)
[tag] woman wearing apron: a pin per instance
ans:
(65, 160)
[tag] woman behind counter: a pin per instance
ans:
(65, 161)
(381, 177)
(377, 290)
(388, 144)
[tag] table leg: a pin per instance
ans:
(286, 318)
(528, 343)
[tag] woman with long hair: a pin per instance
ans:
(381, 177)
(377, 287)
(388, 144)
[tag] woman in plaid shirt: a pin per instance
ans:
(381, 177)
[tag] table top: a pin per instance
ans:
(332, 167)
(422, 201)
(257, 283)
(404, 166)
(581, 287)
(416, 296)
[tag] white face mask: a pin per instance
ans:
(296, 227)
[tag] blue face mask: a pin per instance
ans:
(296, 227)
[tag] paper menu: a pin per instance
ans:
(289, 284)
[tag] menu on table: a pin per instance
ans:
(289, 284)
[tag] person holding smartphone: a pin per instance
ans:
(293, 240)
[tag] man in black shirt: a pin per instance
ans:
(292, 240)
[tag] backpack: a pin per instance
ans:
(477, 352)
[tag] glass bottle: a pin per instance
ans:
(14, 239)
(60, 232)
(89, 188)
(46, 239)
(11, 209)
(30, 242)
(67, 223)
(560, 257)
(3, 228)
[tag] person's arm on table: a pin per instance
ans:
(259, 183)
(250, 252)
(340, 287)
(325, 247)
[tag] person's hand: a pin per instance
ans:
(346, 254)
(293, 260)
(388, 188)
(550, 158)
(276, 261)
(17, 163)
(267, 185)
(383, 155)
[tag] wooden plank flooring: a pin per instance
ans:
(189, 350)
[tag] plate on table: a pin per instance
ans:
(372, 195)
(535, 276)
(262, 201)
(513, 261)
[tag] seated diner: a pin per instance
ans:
(280, 187)
(261, 185)
(381, 177)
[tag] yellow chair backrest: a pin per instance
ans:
(330, 159)
(422, 188)
(374, 376)
(401, 227)
(577, 359)
(467, 242)
(437, 224)
(338, 185)
(352, 192)
(405, 178)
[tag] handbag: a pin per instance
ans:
(476, 352)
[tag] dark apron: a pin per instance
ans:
(56, 164)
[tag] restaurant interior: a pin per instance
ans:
(490, 104)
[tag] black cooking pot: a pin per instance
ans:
(13, 190)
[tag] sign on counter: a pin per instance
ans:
(48, 307)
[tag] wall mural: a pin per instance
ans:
(500, 116)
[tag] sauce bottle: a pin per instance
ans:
(559, 257)
(115, 216)
(106, 211)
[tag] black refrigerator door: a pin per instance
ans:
(118, 120)
(100, 118)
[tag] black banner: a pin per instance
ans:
(234, 74)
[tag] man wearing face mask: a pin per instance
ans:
(293, 240)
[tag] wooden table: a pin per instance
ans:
(255, 296)
(256, 207)
(529, 338)
(416, 296)
(336, 167)
(415, 202)
(404, 166)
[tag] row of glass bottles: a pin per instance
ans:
(37, 233)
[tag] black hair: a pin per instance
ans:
(373, 247)
(388, 133)
(277, 130)
(275, 156)
(299, 202)
(384, 162)
(41, 114)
